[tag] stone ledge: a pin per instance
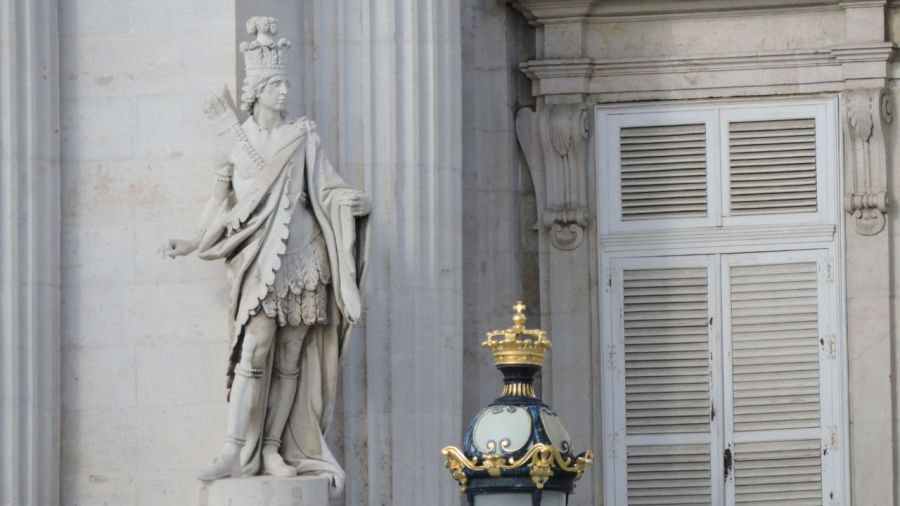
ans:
(266, 491)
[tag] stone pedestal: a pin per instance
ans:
(266, 491)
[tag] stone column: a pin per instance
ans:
(398, 123)
(29, 253)
(383, 82)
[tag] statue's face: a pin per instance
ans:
(274, 94)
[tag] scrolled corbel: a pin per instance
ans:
(867, 112)
(554, 141)
(566, 227)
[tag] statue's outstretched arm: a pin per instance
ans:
(221, 191)
(220, 194)
(221, 109)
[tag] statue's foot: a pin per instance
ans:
(225, 466)
(274, 464)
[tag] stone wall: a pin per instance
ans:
(143, 346)
(606, 52)
(143, 339)
(495, 40)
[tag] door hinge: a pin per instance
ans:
(831, 439)
(613, 440)
(831, 346)
(829, 272)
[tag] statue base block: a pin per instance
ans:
(266, 491)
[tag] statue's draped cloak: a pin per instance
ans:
(251, 234)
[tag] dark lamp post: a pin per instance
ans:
(516, 451)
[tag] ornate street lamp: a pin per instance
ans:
(516, 450)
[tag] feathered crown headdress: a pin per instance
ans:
(264, 56)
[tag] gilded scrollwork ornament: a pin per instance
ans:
(539, 462)
(867, 114)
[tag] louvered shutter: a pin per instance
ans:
(776, 323)
(773, 166)
(776, 162)
(661, 170)
(715, 166)
(664, 394)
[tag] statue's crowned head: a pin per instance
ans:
(264, 59)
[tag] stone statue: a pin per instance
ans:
(292, 234)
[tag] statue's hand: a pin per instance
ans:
(177, 248)
(358, 202)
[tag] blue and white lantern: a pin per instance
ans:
(516, 450)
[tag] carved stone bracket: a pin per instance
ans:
(867, 112)
(554, 141)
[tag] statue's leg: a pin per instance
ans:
(259, 333)
(286, 370)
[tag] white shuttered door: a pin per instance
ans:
(724, 380)
(779, 403)
(721, 317)
(665, 436)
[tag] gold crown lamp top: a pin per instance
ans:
(518, 345)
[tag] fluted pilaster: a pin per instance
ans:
(398, 122)
(29, 253)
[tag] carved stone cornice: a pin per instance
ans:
(554, 141)
(866, 114)
(831, 68)
(543, 11)
(876, 51)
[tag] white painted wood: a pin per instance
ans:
(720, 239)
(666, 348)
(663, 171)
(783, 472)
(779, 404)
(657, 431)
(794, 208)
(29, 254)
(620, 167)
(794, 252)
(772, 167)
(651, 149)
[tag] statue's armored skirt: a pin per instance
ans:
(299, 294)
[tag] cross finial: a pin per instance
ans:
(519, 316)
